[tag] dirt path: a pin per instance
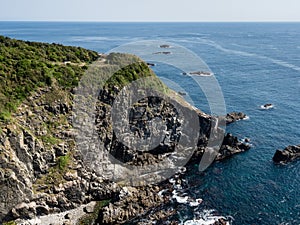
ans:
(58, 218)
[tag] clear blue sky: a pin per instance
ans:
(150, 10)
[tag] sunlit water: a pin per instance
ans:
(254, 64)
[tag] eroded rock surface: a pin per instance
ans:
(289, 154)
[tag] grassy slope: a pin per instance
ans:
(25, 66)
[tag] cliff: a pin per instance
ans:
(44, 142)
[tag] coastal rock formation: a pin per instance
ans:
(165, 46)
(164, 53)
(230, 146)
(289, 154)
(43, 171)
(131, 202)
(198, 73)
(267, 106)
(235, 116)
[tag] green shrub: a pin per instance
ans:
(90, 219)
(63, 161)
(25, 66)
(10, 223)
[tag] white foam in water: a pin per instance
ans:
(209, 221)
(246, 118)
(182, 170)
(206, 219)
(172, 181)
(247, 142)
(267, 107)
(180, 199)
(195, 203)
(161, 192)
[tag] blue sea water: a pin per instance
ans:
(254, 63)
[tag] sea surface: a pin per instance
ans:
(255, 64)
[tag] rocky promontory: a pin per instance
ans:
(43, 168)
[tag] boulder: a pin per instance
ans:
(234, 116)
(289, 154)
(24, 210)
(88, 209)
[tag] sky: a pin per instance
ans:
(150, 10)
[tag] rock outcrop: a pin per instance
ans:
(41, 171)
(131, 202)
(230, 146)
(235, 116)
(289, 154)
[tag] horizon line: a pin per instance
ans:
(129, 21)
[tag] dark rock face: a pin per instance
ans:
(140, 200)
(230, 146)
(289, 154)
(234, 116)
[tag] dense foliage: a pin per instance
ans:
(25, 66)
(129, 74)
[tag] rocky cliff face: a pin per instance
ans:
(43, 169)
(16, 172)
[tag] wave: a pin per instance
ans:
(246, 118)
(207, 217)
(103, 38)
(180, 195)
(244, 53)
(266, 107)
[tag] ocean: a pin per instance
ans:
(255, 64)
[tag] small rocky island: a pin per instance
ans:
(288, 154)
(235, 116)
(42, 170)
(267, 106)
(165, 46)
(163, 53)
(199, 73)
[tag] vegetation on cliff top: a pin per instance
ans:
(26, 66)
(37, 82)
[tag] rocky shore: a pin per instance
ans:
(43, 171)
